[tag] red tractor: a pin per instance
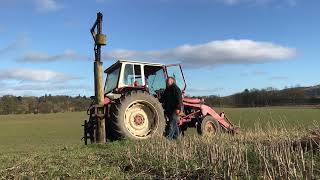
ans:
(129, 106)
(132, 108)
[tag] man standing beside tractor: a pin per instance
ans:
(172, 103)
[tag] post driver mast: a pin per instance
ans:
(98, 111)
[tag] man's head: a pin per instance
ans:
(170, 81)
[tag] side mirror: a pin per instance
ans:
(92, 97)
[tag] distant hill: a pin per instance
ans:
(269, 97)
(313, 91)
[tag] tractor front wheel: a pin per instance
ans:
(209, 127)
(138, 115)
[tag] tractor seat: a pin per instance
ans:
(135, 83)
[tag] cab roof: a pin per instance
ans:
(131, 62)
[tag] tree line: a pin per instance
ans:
(248, 98)
(45, 104)
(268, 97)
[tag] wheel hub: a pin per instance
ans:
(138, 120)
(210, 129)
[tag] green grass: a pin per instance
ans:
(250, 118)
(49, 146)
(25, 132)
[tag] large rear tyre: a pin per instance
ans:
(209, 127)
(137, 115)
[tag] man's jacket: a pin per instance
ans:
(171, 99)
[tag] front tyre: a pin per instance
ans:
(209, 127)
(138, 115)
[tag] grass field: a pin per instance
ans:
(49, 146)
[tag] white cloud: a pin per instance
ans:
(212, 53)
(38, 5)
(33, 75)
(45, 57)
(27, 82)
(47, 5)
(41, 88)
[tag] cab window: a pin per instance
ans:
(132, 75)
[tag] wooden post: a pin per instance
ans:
(100, 40)
(98, 81)
(99, 95)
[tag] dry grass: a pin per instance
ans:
(257, 154)
(252, 155)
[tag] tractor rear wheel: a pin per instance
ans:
(209, 127)
(137, 115)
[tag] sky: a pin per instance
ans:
(224, 46)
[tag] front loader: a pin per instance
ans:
(130, 108)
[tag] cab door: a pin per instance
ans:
(175, 71)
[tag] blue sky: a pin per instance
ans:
(224, 46)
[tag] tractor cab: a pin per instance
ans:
(126, 75)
